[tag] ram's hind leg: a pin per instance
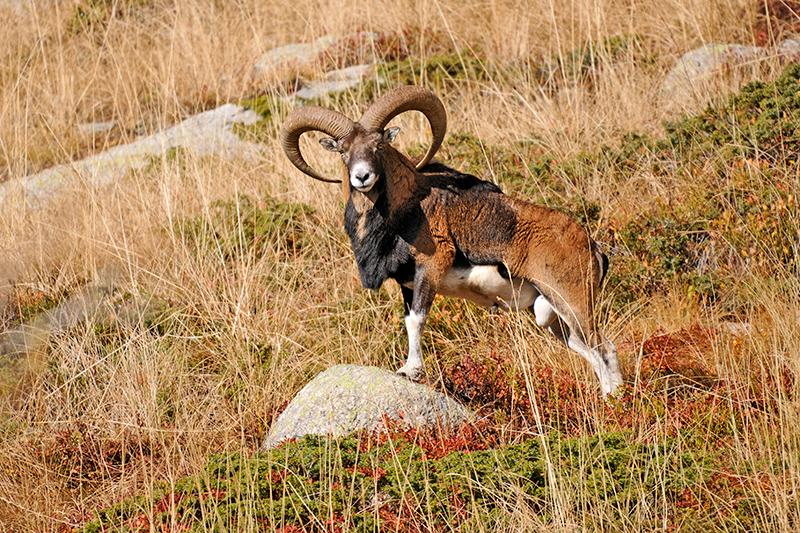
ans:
(604, 363)
(574, 330)
(546, 317)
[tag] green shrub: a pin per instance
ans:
(762, 120)
(740, 213)
(655, 252)
(94, 15)
(584, 62)
(361, 484)
(242, 227)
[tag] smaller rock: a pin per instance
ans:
(95, 128)
(335, 81)
(789, 50)
(86, 303)
(738, 329)
(292, 54)
(348, 398)
(702, 63)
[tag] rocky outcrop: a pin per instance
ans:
(207, 133)
(348, 398)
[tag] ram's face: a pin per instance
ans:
(362, 152)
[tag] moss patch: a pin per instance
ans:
(248, 226)
(762, 120)
(437, 71)
(365, 484)
(94, 15)
(583, 63)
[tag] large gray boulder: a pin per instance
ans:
(347, 398)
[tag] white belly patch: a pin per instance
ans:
(484, 285)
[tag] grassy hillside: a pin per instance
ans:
(234, 282)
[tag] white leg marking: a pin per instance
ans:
(613, 365)
(607, 384)
(606, 369)
(544, 312)
(413, 366)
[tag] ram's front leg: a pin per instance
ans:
(416, 303)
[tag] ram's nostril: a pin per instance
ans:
(362, 176)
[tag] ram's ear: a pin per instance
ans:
(390, 134)
(332, 145)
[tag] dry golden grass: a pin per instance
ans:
(242, 336)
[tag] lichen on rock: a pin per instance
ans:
(348, 398)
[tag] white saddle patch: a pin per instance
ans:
(483, 285)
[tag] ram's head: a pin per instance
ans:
(362, 144)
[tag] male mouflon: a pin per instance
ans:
(435, 231)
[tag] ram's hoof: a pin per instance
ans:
(411, 373)
(613, 388)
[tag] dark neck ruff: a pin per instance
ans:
(380, 252)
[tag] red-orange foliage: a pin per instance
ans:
(401, 518)
(682, 353)
(141, 522)
(376, 473)
(434, 442)
(495, 383)
(81, 455)
(677, 388)
(290, 528)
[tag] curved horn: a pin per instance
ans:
(405, 99)
(306, 119)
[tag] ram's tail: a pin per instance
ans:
(602, 261)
